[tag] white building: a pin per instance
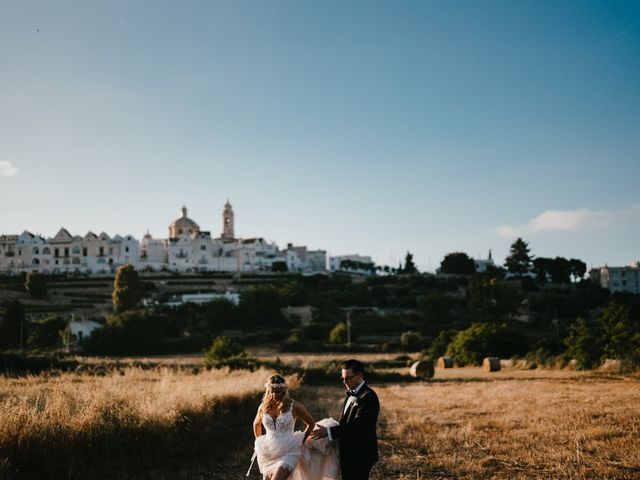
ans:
(621, 279)
(362, 264)
(201, 298)
(187, 249)
(482, 264)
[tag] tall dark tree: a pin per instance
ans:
(578, 268)
(560, 271)
(12, 326)
(458, 263)
(519, 260)
(127, 288)
(409, 266)
(36, 285)
(542, 267)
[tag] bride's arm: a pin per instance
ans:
(257, 424)
(301, 412)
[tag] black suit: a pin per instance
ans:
(358, 442)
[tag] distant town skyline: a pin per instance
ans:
(374, 128)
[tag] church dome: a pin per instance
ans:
(183, 225)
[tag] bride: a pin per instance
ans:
(284, 453)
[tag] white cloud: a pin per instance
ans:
(7, 169)
(570, 220)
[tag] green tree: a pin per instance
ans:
(519, 261)
(12, 326)
(261, 306)
(225, 352)
(578, 269)
(220, 314)
(492, 300)
(439, 345)
(411, 341)
(585, 344)
(621, 333)
(279, 267)
(127, 289)
(560, 270)
(339, 334)
(409, 266)
(480, 340)
(36, 285)
(134, 332)
(543, 266)
(46, 333)
(223, 348)
(458, 263)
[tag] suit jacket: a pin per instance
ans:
(358, 443)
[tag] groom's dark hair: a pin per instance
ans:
(355, 366)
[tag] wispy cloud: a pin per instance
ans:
(570, 220)
(7, 169)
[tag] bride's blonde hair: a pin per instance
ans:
(276, 384)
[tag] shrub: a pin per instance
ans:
(585, 344)
(339, 333)
(46, 333)
(224, 352)
(411, 341)
(481, 340)
(439, 346)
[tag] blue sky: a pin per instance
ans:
(371, 127)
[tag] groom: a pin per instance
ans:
(357, 429)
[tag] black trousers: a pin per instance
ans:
(355, 472)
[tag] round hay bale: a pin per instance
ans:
(422, 369)
(445, 362)
(491, 364)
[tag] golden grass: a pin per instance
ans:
(553, 427)
(464, 424)
(62, 425)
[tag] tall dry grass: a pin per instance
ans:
(547, 428)
(79, 426)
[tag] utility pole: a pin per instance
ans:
(349, 328)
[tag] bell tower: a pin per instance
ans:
(227, 222)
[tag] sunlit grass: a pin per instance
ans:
(558, 427)
(64, 424)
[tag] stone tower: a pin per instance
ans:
(227, 222)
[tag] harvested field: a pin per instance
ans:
(465, 423)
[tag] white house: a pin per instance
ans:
(201, 298)
(187, 249)
(621, 279)
(482, 264)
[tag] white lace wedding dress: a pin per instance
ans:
(281, 446)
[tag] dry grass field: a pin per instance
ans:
(512, 425)
(165, 423)
(76, 425)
